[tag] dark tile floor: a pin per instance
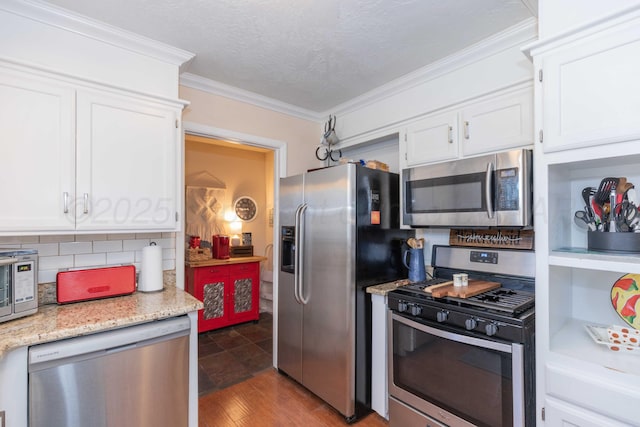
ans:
(230, 355)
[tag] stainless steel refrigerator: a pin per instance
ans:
(339, 234)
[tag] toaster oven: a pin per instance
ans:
(18, 283)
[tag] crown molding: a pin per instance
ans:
(69, 21)
(515, 36)
(216, 88)
(582, 31)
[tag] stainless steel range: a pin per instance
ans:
(465, 361)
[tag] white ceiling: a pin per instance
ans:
(310, 54)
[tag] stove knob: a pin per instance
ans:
(491, 329)
(416, 310)
(470, 324)
(442, 316)
(402, 307)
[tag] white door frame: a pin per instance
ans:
(279, 171)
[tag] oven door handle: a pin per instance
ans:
(453, 336)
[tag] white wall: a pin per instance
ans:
(66, 251)
(301, 136)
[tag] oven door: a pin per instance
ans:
(456, 379)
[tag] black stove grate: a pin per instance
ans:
(503, 300)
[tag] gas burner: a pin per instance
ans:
(505, 300)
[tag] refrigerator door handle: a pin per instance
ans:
(300, 251)
(296, 262)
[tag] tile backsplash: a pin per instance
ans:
(88, 250)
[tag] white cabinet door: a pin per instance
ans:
(37, 168)
(591, 91)
(500, 123)
(559, 413)
(127, 154)
(14, 387)
(432, 139)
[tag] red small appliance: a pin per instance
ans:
(220, 246)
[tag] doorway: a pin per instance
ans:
(234, 140)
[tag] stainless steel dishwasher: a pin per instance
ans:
(131, 377)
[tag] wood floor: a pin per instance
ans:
(271, 399)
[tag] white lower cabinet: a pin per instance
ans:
(78, 157)
(559, 413)
(379, 387)
(13, 388)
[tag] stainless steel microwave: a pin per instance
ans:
(488, 191)
(18, 283)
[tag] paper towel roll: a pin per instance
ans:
(150, 279)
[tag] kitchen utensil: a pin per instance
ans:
(627, 216)
(613, 224)
(412, 243)
(632, 196)
(606, 185)
(587, 194)
(582, 220)
(474, 287)
(597, 213)
(430, 289)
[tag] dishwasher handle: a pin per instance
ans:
(109, 341)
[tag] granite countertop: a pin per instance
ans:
(237, 260)
(384, 288)
(54, 322)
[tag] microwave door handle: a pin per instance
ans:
(300, 262)
(488, 194)
(8, 261)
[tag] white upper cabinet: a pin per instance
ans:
(500, 123)
(37, 162)
(432, 139)
(81, 158)
(495, 122)
(591, 90)
(127, 170)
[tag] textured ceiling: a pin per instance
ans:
(311, 54)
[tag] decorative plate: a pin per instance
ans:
(603, 335)
(625, 296)
(246, 208)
